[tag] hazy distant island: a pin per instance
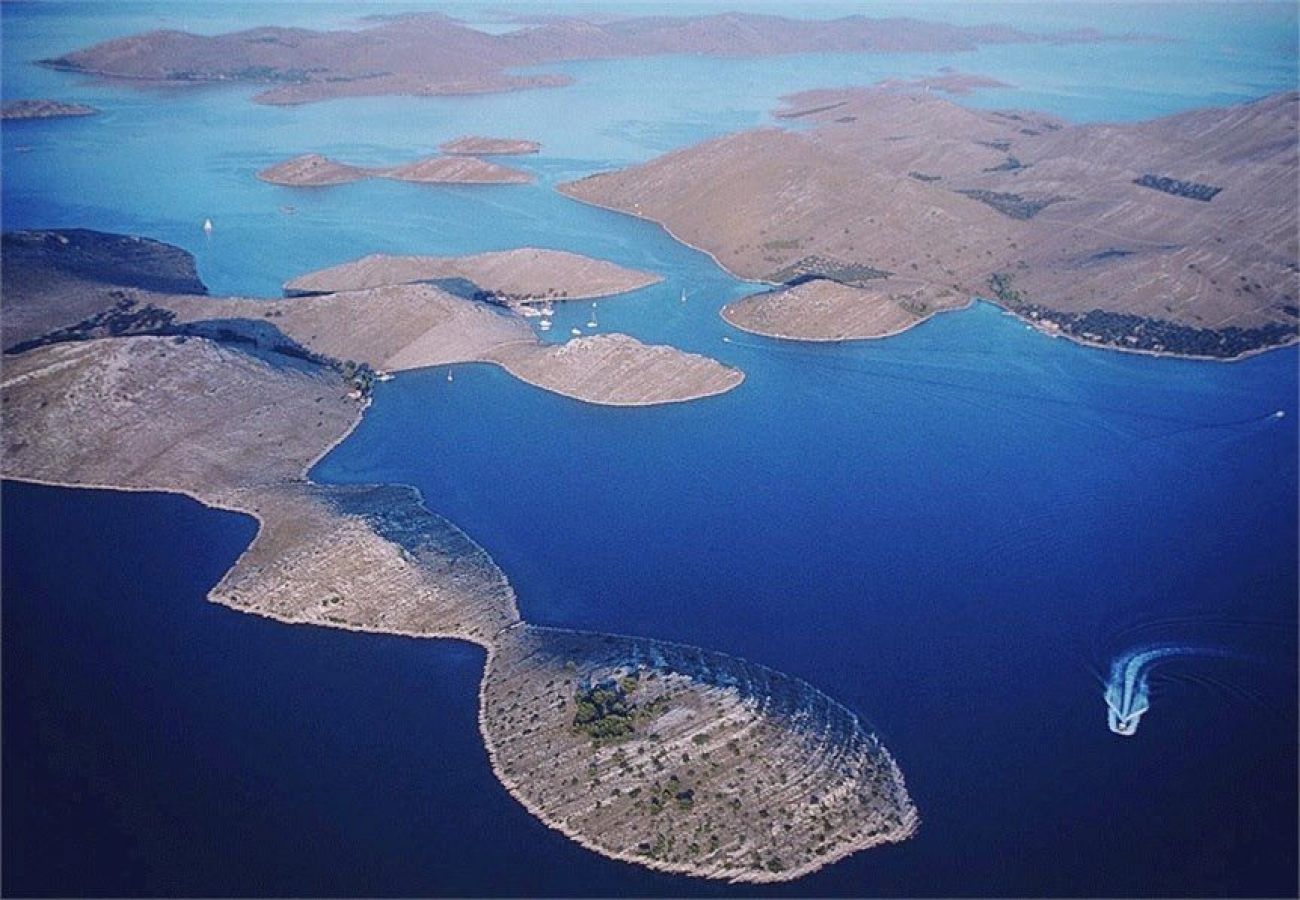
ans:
(14, 110)
(314, 170)
(474, 145)
(430, 53)
(671, 756)
(1172, 236)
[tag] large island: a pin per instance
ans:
(670, 756)
(1172, 236)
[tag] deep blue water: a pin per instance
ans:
(950, 531)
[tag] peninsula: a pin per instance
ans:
(670, 756)
(1171, 236)
(314, 170)
(429, 53)
(43, 109)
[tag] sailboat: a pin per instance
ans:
(592, 323)
(449, 374)
(207, 226)
(683, 295)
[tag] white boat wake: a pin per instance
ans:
(1128, 689)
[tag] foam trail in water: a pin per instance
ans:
(1128, 689)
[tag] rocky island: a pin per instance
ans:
(14, 110)
(314, 170)
(1172, 236)
(432, 54)
(486, 146)
(670, 756)
(821, 309)
(616, 370)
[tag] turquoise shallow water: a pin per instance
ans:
(948, 531)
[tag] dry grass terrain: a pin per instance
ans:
(617, 370)
(167, 413)
(367, 558)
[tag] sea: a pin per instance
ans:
(955, 532)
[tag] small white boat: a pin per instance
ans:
(207, 226)
(544, 325)
(575, 332)
(592, 322)
(449, 374)
(683, 295)
(529, 312)
(384, 376)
